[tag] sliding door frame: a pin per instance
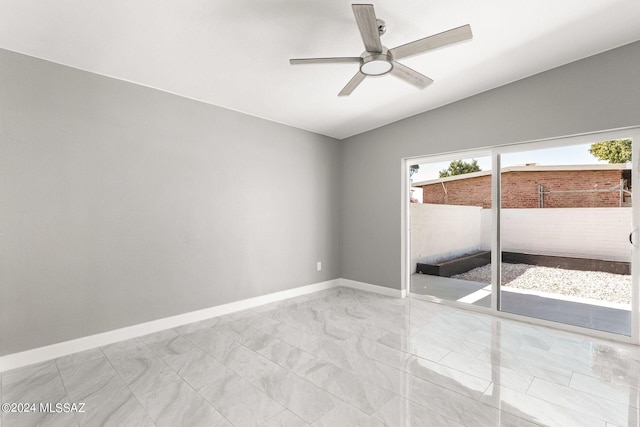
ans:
(495, 153)
(406, 218)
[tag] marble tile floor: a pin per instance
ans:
(335, 358)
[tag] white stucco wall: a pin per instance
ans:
(601, 233)
(440, 232)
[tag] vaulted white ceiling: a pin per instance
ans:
(234, 53)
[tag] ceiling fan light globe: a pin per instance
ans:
(376, 67)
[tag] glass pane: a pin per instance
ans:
(565, 219)
(451, 230)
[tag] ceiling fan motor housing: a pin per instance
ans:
(376, 64)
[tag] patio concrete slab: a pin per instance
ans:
(590, 316)
(445, 287)
(607, 319)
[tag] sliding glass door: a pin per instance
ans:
(565, 218)
(546, 230)
(450, 213)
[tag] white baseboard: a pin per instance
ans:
(41, 354)
(397, 293)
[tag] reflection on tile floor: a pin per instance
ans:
(340, 357)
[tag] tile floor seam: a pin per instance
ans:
(416, 402)
(433, 383)
(440, 359)
(66, 392)
(187, 338)
(491, 384)
(582, 392)
(571, 378)
(637, 390)
(284, 409)
(529, 386)
(453, 391)
(552, 404)
(225, 417)
(252, 351)
(512, 412)
(351, 405)
(358, 354)
(428, 409)
(313, 384)
(296, 326)
(170, 385)
(533, 377)
(456, 369)
(198, 393)
(227, 368)
(144, 408)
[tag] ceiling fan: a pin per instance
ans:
(377, 60)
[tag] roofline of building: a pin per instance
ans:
(529, 168)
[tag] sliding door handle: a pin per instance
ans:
(631, 236)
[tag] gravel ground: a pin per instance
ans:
(585, 284)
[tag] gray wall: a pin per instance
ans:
(121, 204)
(598, 93)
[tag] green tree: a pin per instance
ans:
(614, 151)
(459, 167)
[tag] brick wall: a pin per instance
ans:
(464, 192)
(520, 189)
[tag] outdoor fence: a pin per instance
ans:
(441, 232)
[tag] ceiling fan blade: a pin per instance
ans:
(366, 19)
(341, 59)
(432, 42)
(353, 83)
(410, 75)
